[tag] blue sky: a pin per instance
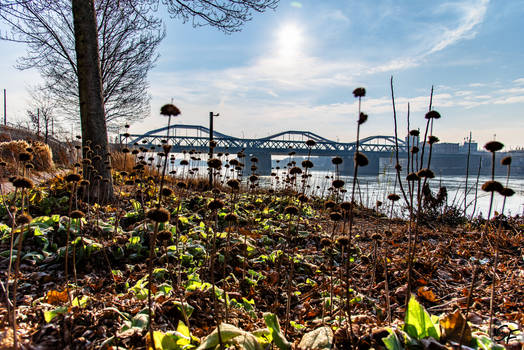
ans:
(296, 68)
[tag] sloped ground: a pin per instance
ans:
(112, 246)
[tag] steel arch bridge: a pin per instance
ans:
(278, 144)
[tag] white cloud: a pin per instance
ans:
(473, 14)
(519, 81)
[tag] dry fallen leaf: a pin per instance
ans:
(452, 328)
(427, 293)
(55, 297)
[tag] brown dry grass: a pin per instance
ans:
(42, 155)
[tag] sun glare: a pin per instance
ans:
(289, 40)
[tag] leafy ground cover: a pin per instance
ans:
(271, 276)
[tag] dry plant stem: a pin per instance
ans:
(11, 244)
(289, 275)
(476, 189)
(467, 174)
(494, 283)
(15, 284)
(507, 183)
(351, 207)
(468, 305)
(386, 276)
(397, 167)
(150, 282)
(212, 272)
(17, 272)
(492, 194)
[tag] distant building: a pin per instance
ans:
(464, 148)
(446, 147)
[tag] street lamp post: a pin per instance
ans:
(211, 145)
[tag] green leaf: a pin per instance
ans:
(49, 315)
(228, 333)
(80, 302)
(320, 338)
(485, 343)
(418, 323)
(392, 342)
(272, 324)
(163, 341)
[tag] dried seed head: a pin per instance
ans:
(493, 146)
(329, 204)
(215, 204)
(507, 192)
(231, 217)
(412, 177)
(29, 166)
(25, 157)
(166, 192)
(77, 214)
(291, 210)
(169, 110)
(184, 162)
(73, 177)
(393, 197)
(362, 118)
(181, 184)
(428, 173)
(23, 219)
(376, 237)
(253, 178)
(303, 198)
(360, 159)
(345, 206)
(337, 183)
(164, 235)
(166, 148)
(307, 164)
(433, 139)
(214, 163)
(359, 92)
(295, 170)
(342, 241)
(414, 149)
(336, 160)
(506, 160)
(335, 216)
(310, 143)
(158, 215)
(378, 204)
(492, 186)
(84, 183)
(233, 184)
(212, 143)
(414, 132)
(325, 242)
(22, 182)
(432, 115)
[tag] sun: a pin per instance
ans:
(289, 40)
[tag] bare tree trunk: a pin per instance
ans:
(92, 115)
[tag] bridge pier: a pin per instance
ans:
(373, 168)
(263, 164)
